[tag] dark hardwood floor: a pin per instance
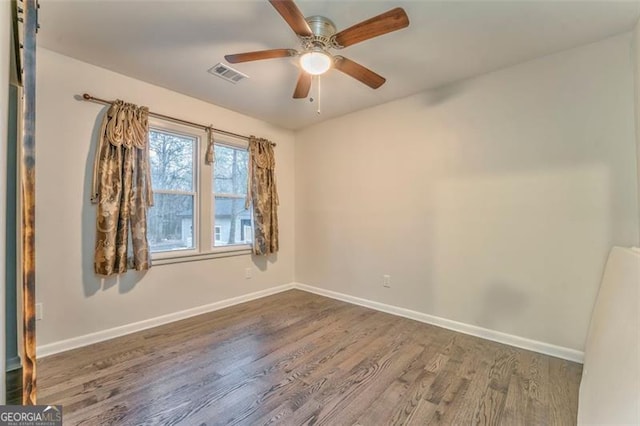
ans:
(297, 358)
(14, 387)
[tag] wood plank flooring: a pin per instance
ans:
(296, 358)
(14, 387)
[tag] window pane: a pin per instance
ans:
(231, 222)
(171, 158)
(171, 222)
(230, 176)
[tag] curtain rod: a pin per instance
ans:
(88, 97)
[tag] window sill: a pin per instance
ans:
(169, 258)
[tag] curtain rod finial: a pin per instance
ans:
(86, 96)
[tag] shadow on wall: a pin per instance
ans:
(262, 262)
(503, 304)
(443, 94)
(91, 282)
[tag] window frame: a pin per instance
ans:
(204, 199)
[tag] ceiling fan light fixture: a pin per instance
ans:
(316, 62)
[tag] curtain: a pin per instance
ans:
(209, 157)
(262, 193)
(122, 190)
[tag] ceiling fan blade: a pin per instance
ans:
(393, 20)
(259, 55)
(290, 13)
(303, 86)
(357, 71)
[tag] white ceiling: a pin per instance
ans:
(173, 44)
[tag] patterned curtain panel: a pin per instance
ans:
(122, 190)
(263, 194)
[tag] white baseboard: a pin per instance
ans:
(473, 330)
(496, 336)
(99, 336)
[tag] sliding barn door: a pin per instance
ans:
(27, 12)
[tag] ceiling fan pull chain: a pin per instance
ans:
(318, 111)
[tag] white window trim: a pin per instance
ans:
(229, 251)
(203, 204)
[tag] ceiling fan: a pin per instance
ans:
(318, 35)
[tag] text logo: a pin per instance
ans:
(30, 415)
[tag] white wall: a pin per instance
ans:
(492, 202)
(5, 49)
(75, 301)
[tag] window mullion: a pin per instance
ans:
(173, 192)
(206, 201)
(227, 195)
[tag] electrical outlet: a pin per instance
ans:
(386, 281)
(247, 273)
(38, 311)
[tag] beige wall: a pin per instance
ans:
(5, 49)
(492, 202)
(636, 70)
(75, 301)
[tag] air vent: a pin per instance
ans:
(227, 73)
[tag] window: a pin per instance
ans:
(173, 163)
(229, 193)
(198, 209)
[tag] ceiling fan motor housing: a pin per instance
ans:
(323, 29)
(321, 26)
